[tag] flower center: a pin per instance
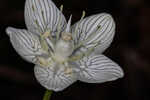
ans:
(61, 48)
(59, 59)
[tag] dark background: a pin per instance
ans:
(130, 49)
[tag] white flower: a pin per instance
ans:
(62, 53)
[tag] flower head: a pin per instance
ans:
(62, 53)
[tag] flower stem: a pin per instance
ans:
(47, 95)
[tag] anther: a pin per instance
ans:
(66, 36)
(46, 34)
(68, 71)
(42, 61)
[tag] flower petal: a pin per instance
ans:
(51, 79)
(42, 16)
(96, 31)
(99, 69)
(25, 43)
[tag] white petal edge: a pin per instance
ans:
(25, 43)
(99, 69)
(51, 80)
(88, 26)
(42, 16)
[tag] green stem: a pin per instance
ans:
(47, 95)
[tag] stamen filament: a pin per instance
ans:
(38, 25)
(33, 8)
(76, 30)
(44, 44)
(59, 24)
(61, 8)
(44, 19)
(47, 44)
(78, 57)
(83, 15)
(48, 34)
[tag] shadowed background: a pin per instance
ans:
(130, 49)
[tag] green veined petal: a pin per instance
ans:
(25, 43)
(99, 69)
(43, 15)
